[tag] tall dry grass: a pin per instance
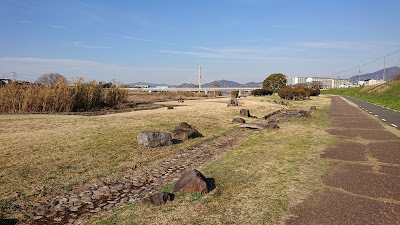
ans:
(60, 97)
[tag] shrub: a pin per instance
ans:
(59, 97)
(234, 94)
(298, 93)
(261, 92)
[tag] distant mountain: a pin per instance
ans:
(228, 83)
(219, 83)
(389, 73)
(145, 83)
(253, 84)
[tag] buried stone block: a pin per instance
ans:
(193, 181)
(238, 120)
(258, 126)
(158, 199)
(154, 139)
(183, 131)
(245, 112)
(233, 102)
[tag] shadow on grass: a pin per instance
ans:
(8, 221)
(176, 141)
(211, 182)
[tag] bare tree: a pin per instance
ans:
(50, 79)
(395, 77)
(317, 84)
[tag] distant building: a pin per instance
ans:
(4, 82)
(326, 83)
(141, 86)
(161, 87)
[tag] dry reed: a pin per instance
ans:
(60, 97)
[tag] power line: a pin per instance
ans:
(369, 62)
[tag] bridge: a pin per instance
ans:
(194, 84)
(205, 90)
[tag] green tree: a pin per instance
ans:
(275, 82)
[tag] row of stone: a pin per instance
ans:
(100, 198)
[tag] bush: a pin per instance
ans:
(234, 94)
(299, 93)
(261, 92)
(59, 97)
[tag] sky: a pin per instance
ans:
(166, 41)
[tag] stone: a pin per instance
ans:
(170, 107)
(245, 112)
(181, 100)
(192, 181)
(238, 120)
(154, 139)
(184, 131)
(272, 125)
(233, 102)
(256, 126)
(158, 199)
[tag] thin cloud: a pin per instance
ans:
(352, 45)
(56, 26)
(80, 64)
(83, 45)
(146, 40)
(25, 21)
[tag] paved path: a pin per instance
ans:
(389, 116)
(364, 186)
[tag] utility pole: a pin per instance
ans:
(15, 78)
(359, 74)
(199, 77)
(384, 67)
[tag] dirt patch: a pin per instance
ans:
(332, 207)
(388, 152)
(359, 124)
(363, 182)
(366, 134)
(392, 170)
(346, 150)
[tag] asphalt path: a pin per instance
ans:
(389, 116)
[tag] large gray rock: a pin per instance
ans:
(153, 139)
(159, 198)
(192, 181)
(233, 102)
(184, 131)
(245, 112)
(238, 120)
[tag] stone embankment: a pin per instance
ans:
(101, 198)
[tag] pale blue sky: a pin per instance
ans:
(165, 41)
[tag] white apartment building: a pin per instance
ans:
(327, 83)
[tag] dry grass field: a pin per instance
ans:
(256, 182)
(47, 155)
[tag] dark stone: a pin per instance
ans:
(233, 102)
(272, 125)
(159, 198)
(238, 120)
(184, 131)
(170, 107)
(192, 181)
(180, 100)
(258, 126)
(154, 139)
(245, 112)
